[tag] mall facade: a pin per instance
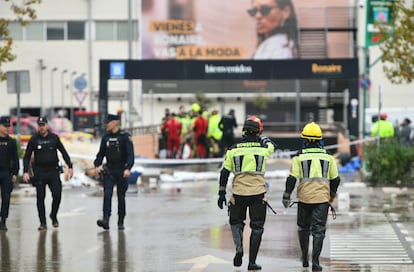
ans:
(69, 48)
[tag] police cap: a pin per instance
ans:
(112, 117)
(5, 121)
(42, 121)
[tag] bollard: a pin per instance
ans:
(344, 202)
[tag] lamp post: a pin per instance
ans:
(41, 68)
(63, 91)
(52, 90)
(71, 95)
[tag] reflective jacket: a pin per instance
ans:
(247, 161)
(314, 168)
(383, 129)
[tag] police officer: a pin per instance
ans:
(247, 160)
(46, 169)
(9, 167)
(227, 124)
(317, 173)
(118, 149)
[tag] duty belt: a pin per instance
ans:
(330, 206)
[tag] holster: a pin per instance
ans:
(104, 173)
(34, 180)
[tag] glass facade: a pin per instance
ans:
(72, 30)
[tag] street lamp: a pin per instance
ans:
(71, 83)
(63, 92)
(52, 90)
(41, 68)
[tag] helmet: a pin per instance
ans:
(253, 124)
(195, 107)
(383, 116)
(312, 131)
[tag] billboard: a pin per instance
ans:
(245, 29)
(379, 11)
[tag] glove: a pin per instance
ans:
(265, 140)
(222, 199)
(286, 199)
(332, 197)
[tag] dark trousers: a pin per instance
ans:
(115, 177)
(257, 214)
(6, 186)
(51, 178)
(312, 218)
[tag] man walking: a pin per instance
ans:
(46, 171)
(247, 160)
(116, 146)
(227, 124)
(9, 167)
(317, 173)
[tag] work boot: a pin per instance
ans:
(255, 240)
(316, 252)
(103, 223)
(3, 225)
(42, 227)
(254, 267)
(55, 222)
(304, 246)
(238, 259)
(237, 232)
(121, 223)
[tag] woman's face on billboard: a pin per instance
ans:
(268, 15)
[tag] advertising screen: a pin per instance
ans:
(246, 29)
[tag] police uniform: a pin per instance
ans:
(247, 160)
(318, 177)
(46, 170)
(9, 167)
(227, 124)
(118, 149)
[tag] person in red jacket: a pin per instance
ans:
(172, 127)
(200, 135)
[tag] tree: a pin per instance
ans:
(23, 12)
(398, 45)
(261, 102)
(202, 100)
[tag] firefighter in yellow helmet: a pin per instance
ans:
(317, 173)
(247, 161)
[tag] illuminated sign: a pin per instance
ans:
(117, 70)
(328, 69)
(235, 69)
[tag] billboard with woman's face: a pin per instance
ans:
(246, 29)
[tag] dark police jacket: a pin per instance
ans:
(118, 150)
(9, 160)
(45, 152)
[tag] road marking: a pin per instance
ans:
(73, 212)
(201, 263)
(375, 243)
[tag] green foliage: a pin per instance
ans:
(20, 150)
(389, 163)
(261, 102)
(398, 45)
(202, 100)
(22, 12)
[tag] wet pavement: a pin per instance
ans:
(178, 227)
